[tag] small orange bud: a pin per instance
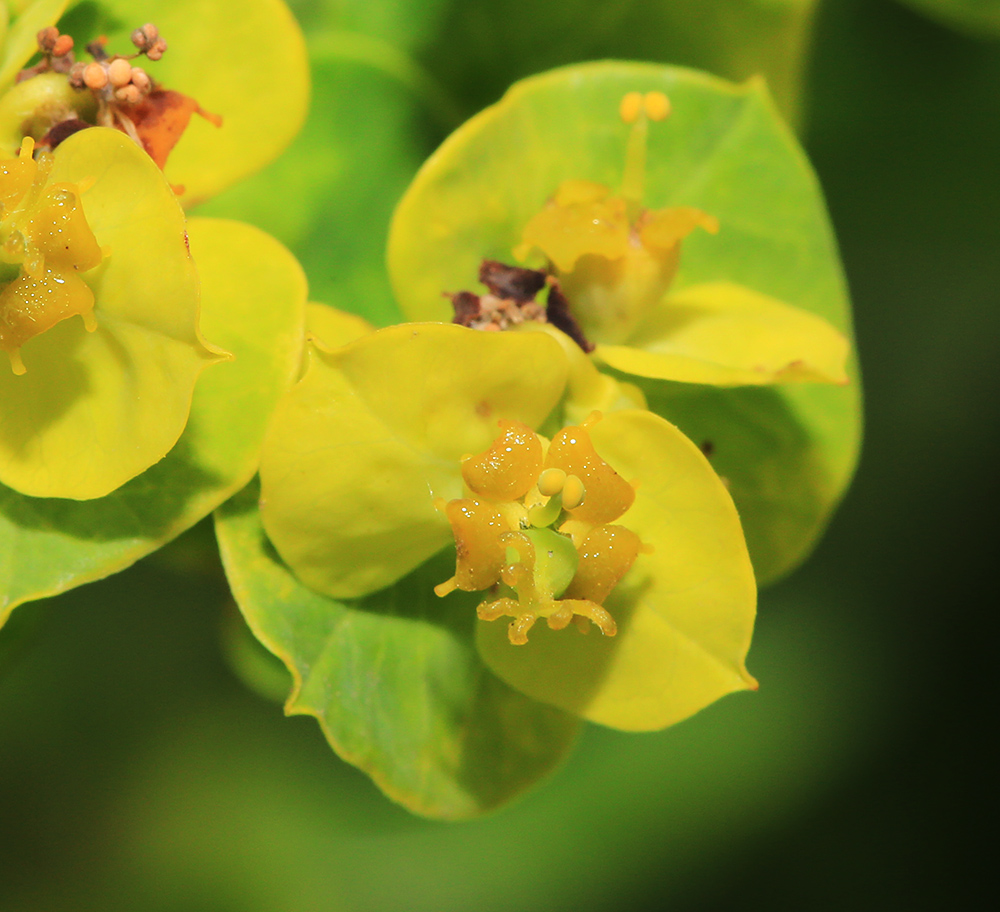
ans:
(95, 76)
(63, 45)
(120, 72)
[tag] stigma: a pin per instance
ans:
(537, 530)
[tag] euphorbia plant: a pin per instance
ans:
(401, 442)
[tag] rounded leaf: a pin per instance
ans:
(394, 680)
(685, 611)
(361, 447)
(727, 335)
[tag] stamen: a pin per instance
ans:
(656, 105)
(631, 107)
(551, 482)
(638, 110)
(574, 493)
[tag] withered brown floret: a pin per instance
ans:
(511, 282)
(511, 301)
(558, 313)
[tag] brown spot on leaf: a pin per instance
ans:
(161, 118)
(62, 131)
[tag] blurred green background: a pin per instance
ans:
(138, 773)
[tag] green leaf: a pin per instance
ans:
(331, 195)
(722, 151)
(684, 611)
(394, 680)
(253, 302)
(360, 448)
(244, 61)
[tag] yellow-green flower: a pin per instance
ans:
(693, 252)
(397, 444)
(244, 63)
(615, 260)
(99, 295)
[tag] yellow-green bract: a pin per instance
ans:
(359, 450)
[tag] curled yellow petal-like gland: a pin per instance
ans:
(606, 555)
(508, 469)
(30, 305)
(59, 229)
(608, 495)
(477, 527)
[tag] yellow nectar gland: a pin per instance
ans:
(44, 235)
(537, 531)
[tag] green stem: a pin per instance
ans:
(634, 178)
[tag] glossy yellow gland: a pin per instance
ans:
(606, 555)
(45, 232)
(477, 527)
(509, 468)
(500, 540)
(608, 495)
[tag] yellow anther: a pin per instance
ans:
(656, 105)
(551, 482)
(95, 76)
(631, 107)
(574, 493)
(27, 148)
(120, 72)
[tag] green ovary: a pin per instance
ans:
(45, 235)
(537, 524)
